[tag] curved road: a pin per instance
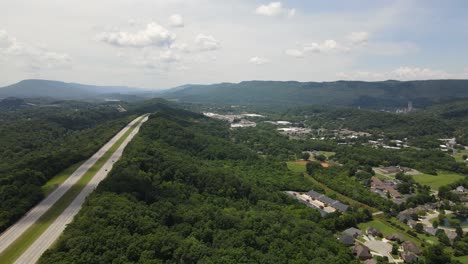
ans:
(15, 231)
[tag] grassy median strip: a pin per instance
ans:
(27, 238)
(58, 179)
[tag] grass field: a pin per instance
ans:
(459, 156)
(442, 178)
(462, 259)
(297, 166)
(327, 154)
(300, 167)
(24, 241)
(383, 226)
(59, 179)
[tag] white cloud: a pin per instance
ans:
(153, 35)
(358, 38)
(182, 47)
(294, 53)
(176, 20)
(275, 9)
(402, 73)
(258, 60)
(32, 56)
(206, 42)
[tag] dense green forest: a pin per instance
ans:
(183, 192)
(373, 95)
(37, 142)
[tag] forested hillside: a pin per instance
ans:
(37, 142)
(183, 192)
(376, 95)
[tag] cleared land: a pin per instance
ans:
(35, 228)
(442, 178)
(300, 167)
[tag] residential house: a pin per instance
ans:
(346, 239)
(409, 246)
(362, 252)
(373, 232)
(353, 232)
(395, 237)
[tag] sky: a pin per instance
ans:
(166, 43)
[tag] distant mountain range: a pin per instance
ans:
(385, 94)
(340, 93)
(61, 90)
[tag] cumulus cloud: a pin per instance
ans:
(358, 38)
(33, 56)
(402, 73)
(176, 20)
(206, 42)
(294, 53)
(258, 60)
(153, 35)
(328, 45)
(275, 9)
(153, 60)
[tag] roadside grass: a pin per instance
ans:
(58, 179)
(30, 235)
(435, 182)
(300, 167)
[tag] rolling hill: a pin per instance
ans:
(340, 93)
(60, 90)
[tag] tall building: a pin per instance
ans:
(410, 106)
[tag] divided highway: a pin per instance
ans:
(45, 240)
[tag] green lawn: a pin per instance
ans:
(442, 178)
(327, 154)
(459, 156)
(58, 179)
(29, 236)
(299, 167)
(462, 259)
(383, 226)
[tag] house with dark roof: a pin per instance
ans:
(409, 246)
(409, 257)
(353, 232)
(346, 239)
(378, 186)
(395, 237)
(373, 232)
(362, 252)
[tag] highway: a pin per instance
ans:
(16, 230)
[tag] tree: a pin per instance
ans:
(435, 224)
(459, 231)
(436, 254)
(419, 228)
(305, 156)
(395, 249)
(443, 238)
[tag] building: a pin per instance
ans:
(409, 257)
(373, 232)
(328, 201)
(395, 237)
(362, 252)
(354, 232)
(378, 186)
(346, 239)
(409, 246)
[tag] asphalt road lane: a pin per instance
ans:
(16, 230)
